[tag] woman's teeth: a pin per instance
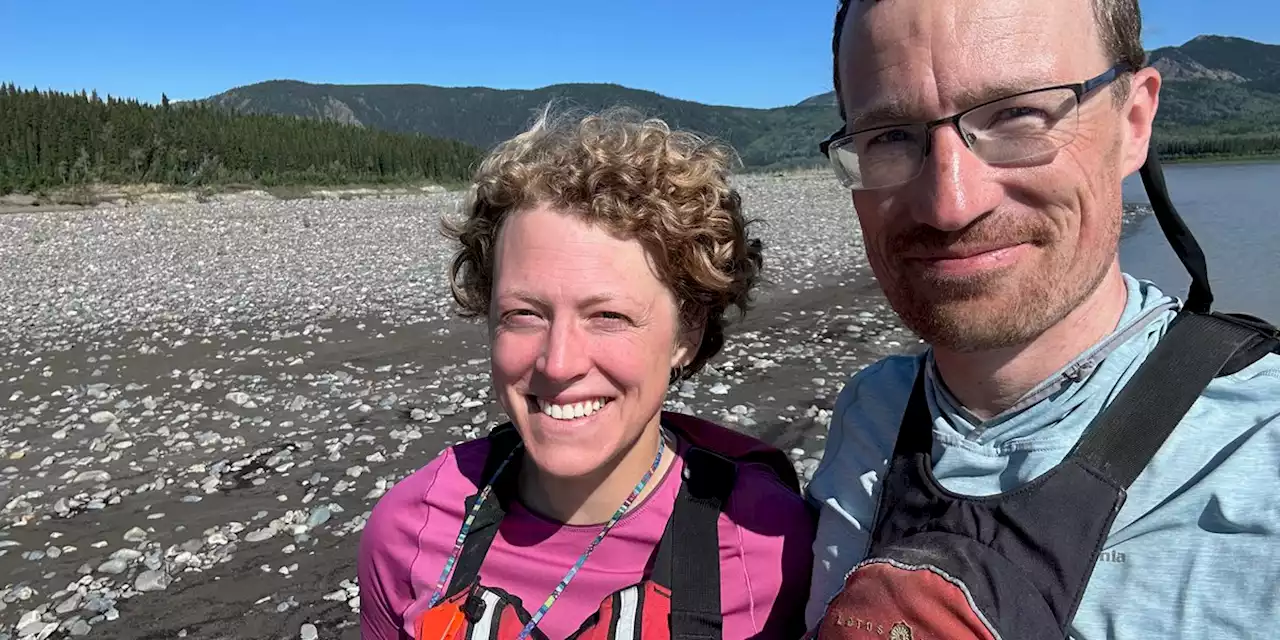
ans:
(571, 411)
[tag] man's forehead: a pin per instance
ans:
(915, 19)
(872, 105)
(918, 59)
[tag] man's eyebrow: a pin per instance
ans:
(896, 111)
(883, 113)
(972, 97)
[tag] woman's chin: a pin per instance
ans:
(565, 463)
(566, 447)
(567, 454)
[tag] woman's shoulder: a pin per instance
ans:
(766, 492)
(766, 529)
(393, 539)
(440, 485)
(763, 504)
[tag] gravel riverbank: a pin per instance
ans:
(199, 404)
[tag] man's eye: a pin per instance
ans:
(893, 135)
(1015, 113)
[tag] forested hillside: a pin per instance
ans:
(51, 140)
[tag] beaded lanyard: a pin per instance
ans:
(582, 559)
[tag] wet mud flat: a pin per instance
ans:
(199, 405)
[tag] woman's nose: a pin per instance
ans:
(564, 353)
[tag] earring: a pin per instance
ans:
(677, 372)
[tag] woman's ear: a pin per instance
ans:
(687, 343)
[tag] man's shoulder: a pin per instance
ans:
(884, 385)
(864, 424)
(1253, 391)
(1264, 370)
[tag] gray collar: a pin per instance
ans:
(1075, 371)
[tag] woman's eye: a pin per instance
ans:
(613, 317)
(519, 316)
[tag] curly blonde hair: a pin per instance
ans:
(638, 178)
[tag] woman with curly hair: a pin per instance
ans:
(604, 253)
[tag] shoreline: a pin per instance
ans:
(95, 197)
(1226, 159)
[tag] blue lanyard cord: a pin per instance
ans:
(582, 559)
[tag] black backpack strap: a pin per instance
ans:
(1200, 296)
(688, 557)
(1266, 341)
(1123, 439)
(503, 439)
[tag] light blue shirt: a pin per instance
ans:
(1195, 551)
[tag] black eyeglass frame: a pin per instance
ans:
(1080, 89)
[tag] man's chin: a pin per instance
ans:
(941, 286)
(970, 314)
(951, 297)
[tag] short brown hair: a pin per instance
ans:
(638, 178)
(1119, 26)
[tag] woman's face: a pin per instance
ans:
(584, 337)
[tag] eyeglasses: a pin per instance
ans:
(1022, 128)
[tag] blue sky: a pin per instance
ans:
(761, 54)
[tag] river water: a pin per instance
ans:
(1234, 211)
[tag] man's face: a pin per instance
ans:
(974, 256)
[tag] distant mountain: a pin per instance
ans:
(827, 99)
(1252, 64)
(1219, 85)
(1214, 86)
(483, 116)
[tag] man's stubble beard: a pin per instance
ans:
(1006, 308)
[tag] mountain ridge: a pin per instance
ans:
(1214, 86)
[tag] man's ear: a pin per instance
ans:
(1138, 117)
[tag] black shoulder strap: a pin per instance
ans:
(1184, 245)
(1123, 439)
(1266, 340)
(688, 557)
(503, 439)
(915, 435)
(1200, 296)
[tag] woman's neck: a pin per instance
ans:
(595, 498)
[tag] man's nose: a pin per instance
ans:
(564, 353)
(955, 184)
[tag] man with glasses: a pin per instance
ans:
(1077, 453)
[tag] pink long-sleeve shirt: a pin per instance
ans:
(766, 533)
